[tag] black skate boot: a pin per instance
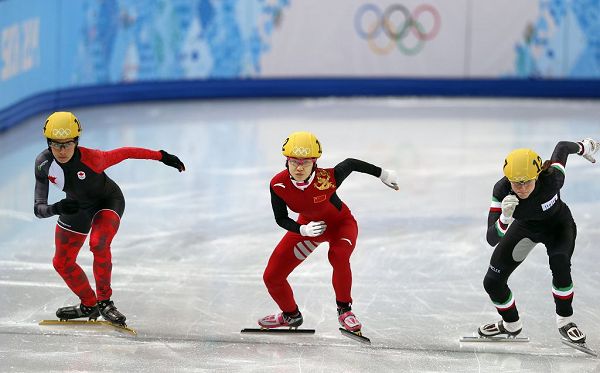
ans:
(571, 333)
(110, 313)
(75, 312)
(497, 328)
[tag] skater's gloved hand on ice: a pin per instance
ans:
(65, 207)
(589, 147)
(509, 204)
(313, 229)
(172, 160)
(389, 178)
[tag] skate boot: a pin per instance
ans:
(110, 313)
(571, 333)
(75, 312)
(280, 320)
(348, 320)
(497, 328)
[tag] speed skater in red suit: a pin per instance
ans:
(310, 191)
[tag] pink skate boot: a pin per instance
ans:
(349, 321)
(281, 320)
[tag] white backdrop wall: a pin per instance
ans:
(50, 46)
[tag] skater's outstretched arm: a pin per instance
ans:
(99, 160)
(346, 167)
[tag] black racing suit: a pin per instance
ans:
(540, 218)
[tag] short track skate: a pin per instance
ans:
(118, 327)
(579, 346)
(496, 338)
(278, 330)
(357, 336)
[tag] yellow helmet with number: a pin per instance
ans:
(62, 125)
(302, 145)
(522, 165)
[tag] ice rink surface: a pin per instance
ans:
(191, 249)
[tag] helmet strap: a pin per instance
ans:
(302, 185)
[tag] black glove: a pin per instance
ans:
(66, 207)
(172, 160)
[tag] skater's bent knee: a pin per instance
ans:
(560, 263)
(272, 279)
(491, 284)
(61, 265)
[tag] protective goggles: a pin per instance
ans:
(304, 162)
(522, 183)
(62, 145)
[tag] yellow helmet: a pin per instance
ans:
(302, 145)
(62, 125)
(522, 165)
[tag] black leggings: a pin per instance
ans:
(514, 247)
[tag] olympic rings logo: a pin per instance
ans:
(301, 152)
(396, 32)
(61, 132)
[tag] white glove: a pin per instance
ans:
(313, 229)
(509, 204)
(389, 178)
(589, 147)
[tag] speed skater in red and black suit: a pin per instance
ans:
(94, 204)
(311, 192)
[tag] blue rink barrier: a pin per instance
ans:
(66, 99)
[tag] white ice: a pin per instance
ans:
(191, 249)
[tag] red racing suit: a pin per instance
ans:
(318, 201)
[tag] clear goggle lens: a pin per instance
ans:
(62, 145)
(304, 162)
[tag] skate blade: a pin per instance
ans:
(580, 346)
(278, 331)
(357, 336)
(494, 339)
(118, 327)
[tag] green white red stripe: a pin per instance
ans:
(506, 305)
(563, 293)
(501, 228)
(496, 205)
(559, 167)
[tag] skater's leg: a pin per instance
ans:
(104, 227)
(288, 254)
(68, 244)
(560, 248)
(341, 246)
(508, 255)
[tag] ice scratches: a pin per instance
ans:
(19, 265)
(17, 215)
(298, 341)
(32, 284)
